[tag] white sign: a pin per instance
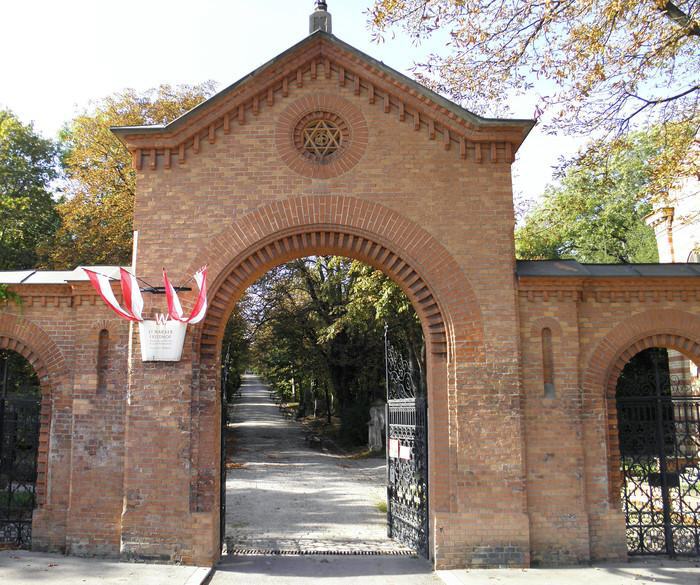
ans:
(394, 445)
(162, 340)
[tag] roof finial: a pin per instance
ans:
(320, 19)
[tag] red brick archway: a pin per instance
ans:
(672, 329)
(376, 235)
(46, 359)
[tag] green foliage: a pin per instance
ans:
(21, 377)
(597, 212)
(97, 217)
(235, 352)
(6, 295)
(319, 322)
(28, 216)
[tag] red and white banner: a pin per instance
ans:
(104, 288)
(200, 306)
(162, 339)
(133, 301)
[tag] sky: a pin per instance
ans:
(58, 56)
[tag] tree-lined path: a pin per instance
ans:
(282, 494)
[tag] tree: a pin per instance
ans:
(28, 216)
(320, 321)
(597, 213)
(97, 216)
(600, 66)
(235, 351)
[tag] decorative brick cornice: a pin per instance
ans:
(152, 148)
(652, 289)
(60, 295)
(659, 216)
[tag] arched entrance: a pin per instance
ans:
(657, 476)
(20, 410)
(669, 328)
(292, 229)
(320, 336)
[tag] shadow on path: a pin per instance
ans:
(283, 495)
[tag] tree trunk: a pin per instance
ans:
(328, 403)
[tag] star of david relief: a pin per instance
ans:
(321, 138)
(318, 141)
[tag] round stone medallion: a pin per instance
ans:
(321, 136)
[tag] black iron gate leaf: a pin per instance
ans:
(407, 452)
(659, 431)
(19, 445)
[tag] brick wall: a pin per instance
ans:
(517, 475)
(571, 439)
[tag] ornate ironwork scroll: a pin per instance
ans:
(19, 443)
(659, 430)
(407, 453)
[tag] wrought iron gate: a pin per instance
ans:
(20, 402)
(659, 429)
(223, 471)
(407, 452)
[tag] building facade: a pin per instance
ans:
(324, 150)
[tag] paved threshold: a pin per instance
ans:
(31, 568)
(341, 569)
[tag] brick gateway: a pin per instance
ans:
(325, 150)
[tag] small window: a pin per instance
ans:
(102, 361)
(548, 363)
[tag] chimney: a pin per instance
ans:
(320, 19)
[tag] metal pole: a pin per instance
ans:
(386, 432)
(668, 533)
(3, 394)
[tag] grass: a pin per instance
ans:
(381, 506)
(367, 454)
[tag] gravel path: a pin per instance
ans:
(283, 495)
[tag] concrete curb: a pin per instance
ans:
(201, 576)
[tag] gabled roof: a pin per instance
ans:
(354, 70)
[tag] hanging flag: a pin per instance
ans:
(102, 285)
(200, 306)
(133, 301)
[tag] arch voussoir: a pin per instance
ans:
(672, 329)
(347, 226)
(338, 225)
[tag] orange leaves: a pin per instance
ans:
(583, 54)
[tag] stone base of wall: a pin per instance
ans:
(197, 543)
(608, 540)
(472, 540)
(49, 530)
